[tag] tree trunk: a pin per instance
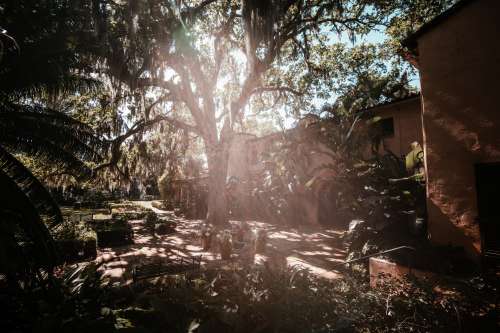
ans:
(217, 171)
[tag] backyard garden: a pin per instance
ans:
(217, 166)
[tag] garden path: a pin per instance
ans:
(314, 248)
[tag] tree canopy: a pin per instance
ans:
(206, 66)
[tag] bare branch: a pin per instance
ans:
(194, 11)
(280, 89)
(139, 126)
(181, 93)
(222, 34)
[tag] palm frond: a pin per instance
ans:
(51, 86)
(57, 117)
(51, 136)
(36, 194)
(47, 153)
(56, 128)
(27, 239)
(50, 65)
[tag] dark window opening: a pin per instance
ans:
(488, 191)
(387, 126)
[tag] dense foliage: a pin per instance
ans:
(260, 299)
(127, 90)
(204, 66)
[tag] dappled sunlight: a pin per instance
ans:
(340, 255)
(313, 253)
(324, 273)
(320, 236)
(238, 166)
(113, 273)
(335, 232)
(312, 248)
(150, 252)
(339, 260)
(468, 126)
(283, 236)
(143, 239)
(260, 259)
(194, 248)
(175, 240)
(290, 234)
(114, 270)
(179, 253)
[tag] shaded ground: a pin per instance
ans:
(313, 248)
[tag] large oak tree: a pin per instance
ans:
(201, 63)
(204, 65)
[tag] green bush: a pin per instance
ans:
(253, 299)
(264, 299)
(75, 242)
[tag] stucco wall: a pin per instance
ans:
(407, 124)
(407, 118)
(459, 62)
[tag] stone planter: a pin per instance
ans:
(383, 271)
(114, 233)
(163, 205)
(115, 237)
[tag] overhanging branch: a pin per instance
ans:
(139, 126)
(279, 89)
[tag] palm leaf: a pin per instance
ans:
(49, 65)
(51, 137)
(37, 195)
(11, 254)
(26, 239)
(46, 153)
(33, 88)
(42, 118)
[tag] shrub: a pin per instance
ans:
(264, 299)
(253, 299)
(75, 242)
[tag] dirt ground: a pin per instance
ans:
(316, 249)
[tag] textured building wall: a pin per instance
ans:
(459, 62)
(407, 118)
(407, 124)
